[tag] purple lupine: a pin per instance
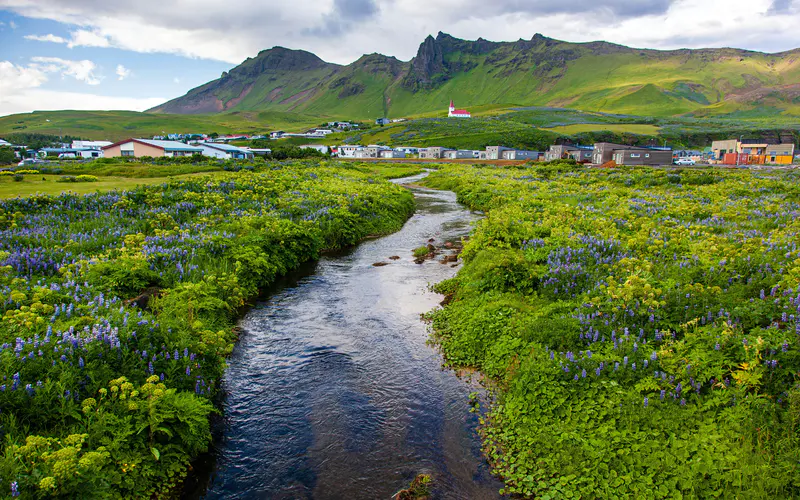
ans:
(14, 489)
(583, 373)
(663, 393)
(150, 367)
(646, 401)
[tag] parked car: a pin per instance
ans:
(31, 161)
(684, 161)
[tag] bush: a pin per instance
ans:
(80, 178)
(7, 156)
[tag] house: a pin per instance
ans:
(494, 152)
(407, 150)
(319, 132)
(782, 154)
(642, 156)
(431, 153)
(368, 152)
(5, 143)
(391, 153)
(519, 154)
(604, 152)
(148, 147)
(460, 154)
(259, 151)
(581, 154)
(93, 145)
(347, 150)
(319, 147)
(277, 134)
(382, 121)
(622, 154)
(71, 153)
(452, 112)
(752, 151)
(226, 151)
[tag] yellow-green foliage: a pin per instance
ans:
(642, 327)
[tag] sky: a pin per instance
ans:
(112, 54)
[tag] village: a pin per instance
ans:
(732, 152)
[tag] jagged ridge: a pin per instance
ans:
(594, 76)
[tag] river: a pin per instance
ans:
(333, 393)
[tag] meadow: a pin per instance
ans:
(118, 311)
(640, 329)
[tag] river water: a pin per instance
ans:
(332, 392)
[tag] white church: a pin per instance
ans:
(458, 113)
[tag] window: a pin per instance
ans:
(127, 153)
(647, 155)
(635, 155)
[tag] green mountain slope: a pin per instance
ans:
(596, 76)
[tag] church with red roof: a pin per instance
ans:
(458, 113)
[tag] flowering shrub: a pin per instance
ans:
(117, 308)
(642, 328)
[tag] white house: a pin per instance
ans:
(348, 150)
(277, 134)
(457, 113)
(407, 150)
(94, 145)
(226, 151)
(320, 132)
(391, 153)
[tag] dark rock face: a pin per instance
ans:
(426, 66)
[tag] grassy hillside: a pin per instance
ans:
(116, 125)
(595, 76)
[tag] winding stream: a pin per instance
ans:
(332, 392)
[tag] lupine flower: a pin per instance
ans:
(14, 490)
(646, 401)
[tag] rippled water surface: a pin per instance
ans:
(332, 392)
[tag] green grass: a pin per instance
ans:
(631, 128)
(46, 184)
(118, 125)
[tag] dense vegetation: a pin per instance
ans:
(641, 328)
(117, 313)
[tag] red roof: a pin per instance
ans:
(461, 111)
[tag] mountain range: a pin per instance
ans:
(594, 76)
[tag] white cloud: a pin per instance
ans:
(341, 30)
(176, 80)
(78, 38)
(14, 79)
(123, 72)
(12, 25)
(86, 38)
(20, 90)
(46, 38)
(82, 71)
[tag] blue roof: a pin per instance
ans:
(171, 145)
